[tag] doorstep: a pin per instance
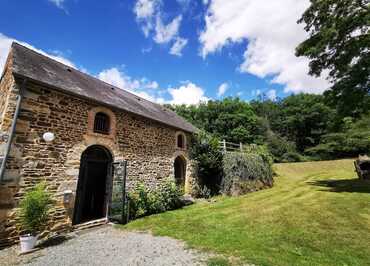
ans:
(90, 224)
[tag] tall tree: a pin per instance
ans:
(339, 43)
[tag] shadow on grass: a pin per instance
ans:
(344, 185)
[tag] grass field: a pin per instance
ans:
(316, 214)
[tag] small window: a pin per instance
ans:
(180, 141)
(102, 124)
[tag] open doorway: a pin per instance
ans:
(93, 185)
(180, 171)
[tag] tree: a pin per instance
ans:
(301, 119)
(354, 140)
(306, 119)
(231, 119)
(339, 42)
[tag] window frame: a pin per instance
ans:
(182, 135)
(104, 125)
(112, 122)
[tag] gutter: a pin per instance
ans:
(12, 130)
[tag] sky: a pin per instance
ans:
(170, 51)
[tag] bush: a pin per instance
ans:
(260, 150)
(200, 192)
(170, 195)
(291, 157)
(246, 172)
(34, 209)
(143, 201)
(206, 153)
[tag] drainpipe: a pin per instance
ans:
(12, 130)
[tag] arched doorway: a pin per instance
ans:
(93, 185)
(180, 171)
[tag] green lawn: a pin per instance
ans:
(317, 213)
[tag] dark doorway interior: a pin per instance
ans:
(93, 185)
(180, 171)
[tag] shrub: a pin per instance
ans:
(245, 172)
(170, 195)
(291, 157)
(260, 150)
(200, 192)
(143, 201)
(34, 209)
(206, 153)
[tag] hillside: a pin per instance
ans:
(317, 213)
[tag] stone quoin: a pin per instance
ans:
(94, 124)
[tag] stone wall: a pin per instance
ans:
(148, 146)
(8, 98)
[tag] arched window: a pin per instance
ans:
(180, 171)
(102, 123)
(181, 141)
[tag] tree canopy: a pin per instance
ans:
(231, 119)
(339, 46)
(298, 127)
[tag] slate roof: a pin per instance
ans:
(44, 70)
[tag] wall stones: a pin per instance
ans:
(148, 146)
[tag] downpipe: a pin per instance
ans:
(12, 130)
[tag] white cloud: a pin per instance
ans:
(188, 93)
(222, 89)
(145, 8)
(119, 79)
(150, 18)
(272, 34)
(58, 3)
(152, 85)
(178, 45)
(271, 95)
(138, 87)
(5, 43)
(166, 33)
(145, 11)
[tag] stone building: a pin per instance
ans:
(94, 124)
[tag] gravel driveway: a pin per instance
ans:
(108, 246)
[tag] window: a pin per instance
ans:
(180, 141)
(102, 123)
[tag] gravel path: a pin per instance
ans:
(108, 246)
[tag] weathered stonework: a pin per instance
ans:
(148, 146)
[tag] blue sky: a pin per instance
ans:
(177, 51)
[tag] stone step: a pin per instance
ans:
(90, 224)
